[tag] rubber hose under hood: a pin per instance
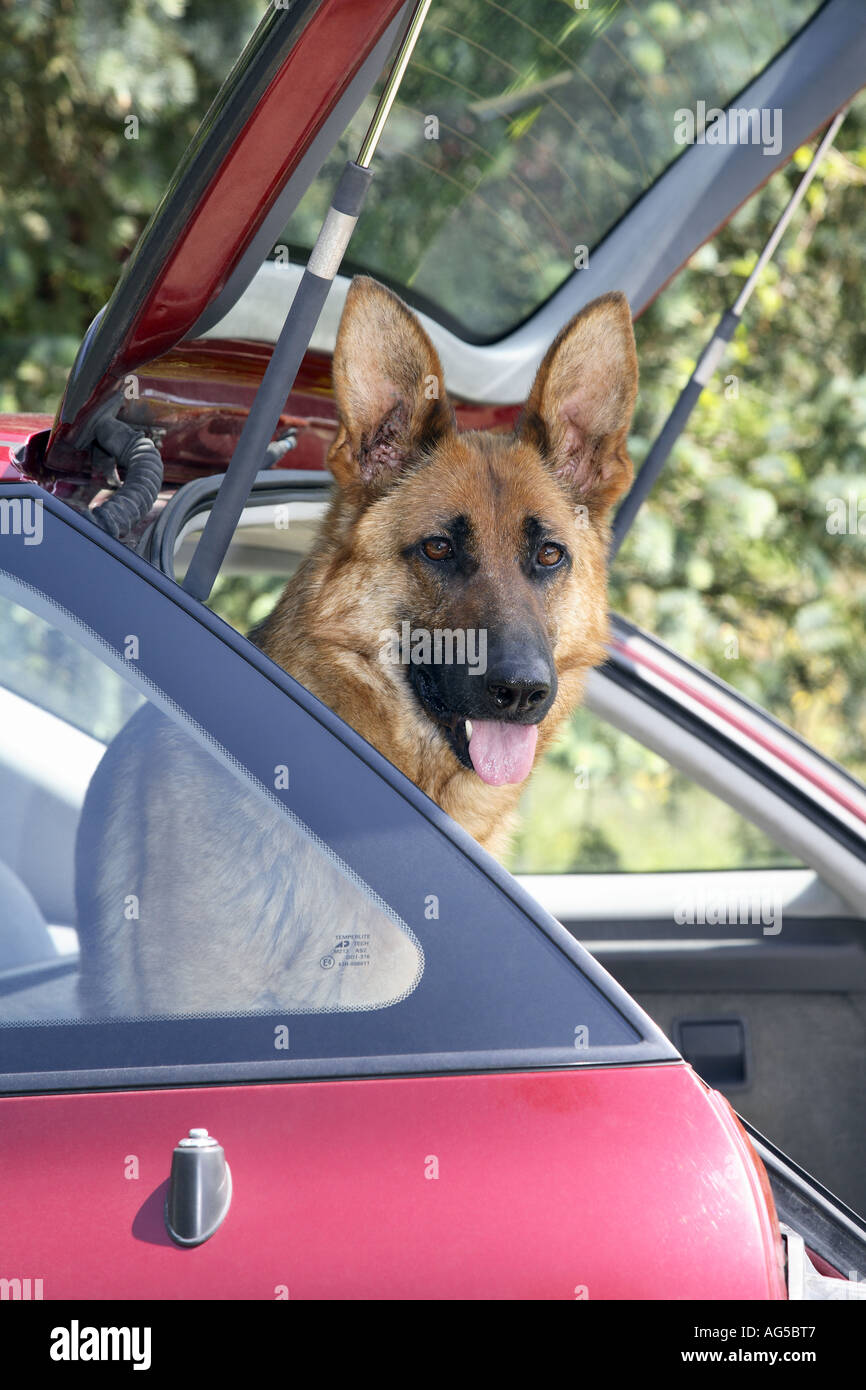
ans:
(140, 463)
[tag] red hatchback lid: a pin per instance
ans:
(302, 60)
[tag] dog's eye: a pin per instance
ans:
(437, 548)
(550, 555)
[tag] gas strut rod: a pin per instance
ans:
(711, 357)
(279, 378)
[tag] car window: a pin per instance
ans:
(244, 875)
(523, 131)
(167, 768)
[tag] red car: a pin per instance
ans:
(517, 1126)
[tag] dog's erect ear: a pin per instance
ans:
(580, 406)
(389, 390)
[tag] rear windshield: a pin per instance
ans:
(523, 132)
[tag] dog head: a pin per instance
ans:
(485, 552)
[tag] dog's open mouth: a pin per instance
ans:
(499, 751)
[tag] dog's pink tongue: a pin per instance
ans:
(502, 753)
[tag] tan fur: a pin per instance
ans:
(566, 462)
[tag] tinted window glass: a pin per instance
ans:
(188, 896)
(524, 130)
(51, 670)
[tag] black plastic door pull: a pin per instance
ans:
(199, 1190)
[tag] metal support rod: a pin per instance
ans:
(796, 198)
(711, 357)
(279, 378)
(392, 86)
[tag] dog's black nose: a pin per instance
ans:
(516, 697)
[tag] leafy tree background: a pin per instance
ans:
(732, 560)
(74, 192)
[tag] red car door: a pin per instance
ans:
(503, 1122)
(584, 1183)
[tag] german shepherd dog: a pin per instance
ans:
(503, 536)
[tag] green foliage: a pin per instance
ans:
(74, 192)
(603, 803)
(244, 600)
(731, 560)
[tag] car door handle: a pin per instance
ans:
(199, 1189)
